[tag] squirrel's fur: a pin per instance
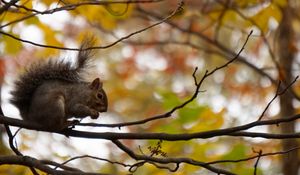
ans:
(43, 77)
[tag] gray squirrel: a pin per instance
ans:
(51, 92)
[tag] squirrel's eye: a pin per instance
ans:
(100, 95)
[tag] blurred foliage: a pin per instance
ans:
(155, 74)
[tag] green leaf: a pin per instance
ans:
(190, 114)
(237, 152)
(170, 100)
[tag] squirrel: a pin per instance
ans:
(51, 92)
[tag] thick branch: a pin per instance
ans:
(31, 162)
(233, 131)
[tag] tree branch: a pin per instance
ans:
(279, 91)
(32, 162)
(178, 8)
(169, 160)
(192, 98)
(7, 6)
(219, 46)
(254, 157)
(232, 131)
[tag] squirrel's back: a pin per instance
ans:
(40, 72)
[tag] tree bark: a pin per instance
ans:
(286, 53)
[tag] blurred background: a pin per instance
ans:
(151, 71)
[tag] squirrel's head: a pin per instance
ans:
(98, 100)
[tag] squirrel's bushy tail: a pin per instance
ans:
(40, 72)
(85, 53)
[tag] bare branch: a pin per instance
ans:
(73, 6)
(220, 46)
(169, 160)
(179, 7)
(254, 157)
(279, 92)
(194, 162)
(93, 157)
(58, 165)
(11, 142)
(18, 20)
(256, 163)
(32, 162)
(7, 5)
(192, 98)
(156, 157)
(233, 131)
(69, 7)
(265, 135)
(262, 33)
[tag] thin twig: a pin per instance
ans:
(55, 164)
(32, 162)
(194, 96)
(256, 163)
(175, 161)
(69, 7)
(279, 91)
(179, 8)
(7, 6)
(254, 157)
(73, 6)
(95, 158)
(218, 45)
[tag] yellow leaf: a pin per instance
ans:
(12, 46)
(26, 3)
(99, 15)
(281, 3)
(208, 120)
(215, 14)
(105, 16)
(48, 2)
(50, 39)
(227, 16)
(275, 12)
(245, 3)
(12, 169)
(119, 11)
(46, 53)
(10, 16)
(49, 35)
(262, 18)
(32, 21)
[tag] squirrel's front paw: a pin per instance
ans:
(94, 114)
(71, 124)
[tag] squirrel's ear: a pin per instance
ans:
(96, 84)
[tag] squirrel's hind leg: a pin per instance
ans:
(49, 111)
